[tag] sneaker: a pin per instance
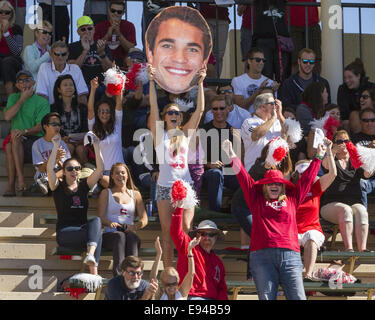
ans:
(90, 260)
(42, 185)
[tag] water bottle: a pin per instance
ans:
(149, 208)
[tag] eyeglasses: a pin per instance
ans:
(104, 111)
(365, 96)
(368, 120)
(45, 32)
(60, 54)
(208, 234)
(172, 284)
(117, 11)
(306, 61)
(6, 12)
(278, 184)
(341, 141)
(271, 103)
(133, 273)
(83, 29)
(172, 112)
(55, 124)
(71, 168)
(221, 109)
(26, 80)
(259, 60)
(226, 91)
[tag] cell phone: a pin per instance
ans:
(122, 228)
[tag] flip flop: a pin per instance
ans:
(9, 193)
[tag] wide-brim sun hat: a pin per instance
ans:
(274, 176)
(207, 225)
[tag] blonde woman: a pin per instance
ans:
(171, 143)
(169, 277)
(11, 44)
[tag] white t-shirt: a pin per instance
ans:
(47, 76)
(245, 86)
(111, 146)
(41, 151)
(253, 149)
(235, 118)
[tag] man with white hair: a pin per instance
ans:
(130, 285)
(263, 126)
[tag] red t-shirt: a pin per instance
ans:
(208, 11)
(127, 29)
(274, 222)
(246, 18)
(4, 49)
(20, 3)
(308, 211)
(209, 277)
(297, 14)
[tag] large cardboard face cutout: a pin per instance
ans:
(178, 45)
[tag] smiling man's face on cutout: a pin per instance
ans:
(177, 56)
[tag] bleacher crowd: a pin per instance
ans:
(82, 140)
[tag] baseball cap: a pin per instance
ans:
(136, 54)
(83, 21)
(24, 72)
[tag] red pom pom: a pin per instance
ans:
(131, 75)
(114, 89)
(354, 155)
(330, 127)
(178, 191)
(75, 292)
(279, 154)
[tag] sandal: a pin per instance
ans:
(9, 193)
(367, 250)
(21, 188)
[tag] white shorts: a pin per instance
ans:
(313, 235)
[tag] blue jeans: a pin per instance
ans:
(273, 266)
(243, 217)
(90, 234)
(367, 186)
(215, 182)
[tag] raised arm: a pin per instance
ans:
(154, 109)
(188, 280)
(96, 175)
(328, 178)
(90, 104)
(119, 99)
(197, 114)
(155, 266)
(53, 181)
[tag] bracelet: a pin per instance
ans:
(319, 157)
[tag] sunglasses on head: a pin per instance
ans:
(365, 96)
(60, 54)
(217, 108)
(171, 284)
(71, 168)
(306, 61)
(368, 120)
(83, 29)
(226, 91)
(55, 124)
(45, 32)
(341, 141)
(117, 11)
(172, 112)
(208, 234)
(7, 12)
(259, 60)
(133, 273)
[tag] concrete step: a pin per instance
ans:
(33, 234)
(26, 283)
(20, 219)
(22, 251)
(43, 296)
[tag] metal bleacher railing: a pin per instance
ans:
(196, 3)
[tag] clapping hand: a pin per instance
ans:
(193, 243)
(158, 248)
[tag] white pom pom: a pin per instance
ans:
(114, 76)
(367, 156)
(86, 280)
(184, 105)
(142, 75)
(272, 157)
(319, 123)
(294, 131)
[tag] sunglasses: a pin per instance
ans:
(133, 273)
(45, 32)
(277, 184)
(172, 284)
(306, 61)
(271, 103)
(259, 60)
(26, 80)
(172, 112)
(341, 141)
(71, 168)
(221, 109)
(365, 96)
(83, 29)
(104, 111)
(117, 11)
(368, 120)
(208, 234)
(226, 91)
(5, 12)
(60, 54)
(55, 124)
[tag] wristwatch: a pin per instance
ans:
(25, 131)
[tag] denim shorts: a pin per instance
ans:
(163, 193)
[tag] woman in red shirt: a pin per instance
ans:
(275, 255)
(310, 233)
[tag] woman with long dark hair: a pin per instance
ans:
(366, 100)
(73, 116)
(118, 205)
(105, 120)
(70, 195)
